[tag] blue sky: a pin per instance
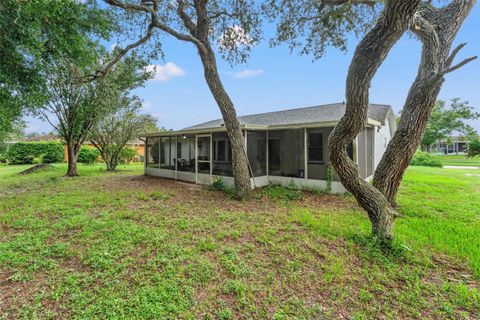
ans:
(276, 79)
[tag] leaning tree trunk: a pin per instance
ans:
(72, 150)
(237, 141)
(436, 28)
(368, 57)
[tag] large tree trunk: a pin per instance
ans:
(72, 149)
(239, 157)
(436, 28)
(369, 55)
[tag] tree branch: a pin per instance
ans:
(454, 54)
(123, 52)
(187, 21)
(458, 65)
(340, 2)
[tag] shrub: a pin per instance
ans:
(3, 152)
(87, 155)
(26, 152)
(218, 184)
(127, 154)
(473, 148)
(425, 159)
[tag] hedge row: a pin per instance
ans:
(30, 152)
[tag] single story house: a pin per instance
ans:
(453, 145)
(284, 147)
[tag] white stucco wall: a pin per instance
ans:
(382, 137)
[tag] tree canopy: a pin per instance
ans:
(35, 33)
(73, 106)
(313, 26)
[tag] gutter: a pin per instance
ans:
(370, 123)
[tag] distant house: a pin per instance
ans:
(453, 145)
(288, 146)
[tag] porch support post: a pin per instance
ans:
(196, 159)
(176, 160)
(145, 156)
(246, 140)
(211, 155)
(305, 153)
(266, 157)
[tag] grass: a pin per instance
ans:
(121, 245)
(458, 160)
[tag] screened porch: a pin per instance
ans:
(275, 156)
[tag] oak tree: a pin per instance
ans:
(229, 27)
(436, 28)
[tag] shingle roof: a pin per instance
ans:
(323, 113)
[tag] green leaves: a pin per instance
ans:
(445, 121)
(37, 32)
(313, 26)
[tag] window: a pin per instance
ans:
(315, 147)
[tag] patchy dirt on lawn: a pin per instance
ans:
(37, 168)
(200, 255)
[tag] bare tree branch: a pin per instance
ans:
(458, 65)
(454, 54)
(103, 72)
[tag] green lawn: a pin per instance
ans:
(123, 246)
(458, 160)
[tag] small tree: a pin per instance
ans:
(445, 121)
(73, 107)
(112, 133)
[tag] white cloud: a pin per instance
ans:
(165, 72)
(248, 73)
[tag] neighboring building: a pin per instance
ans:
(283, 146)
(454, 145)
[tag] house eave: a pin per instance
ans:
(370, 122)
